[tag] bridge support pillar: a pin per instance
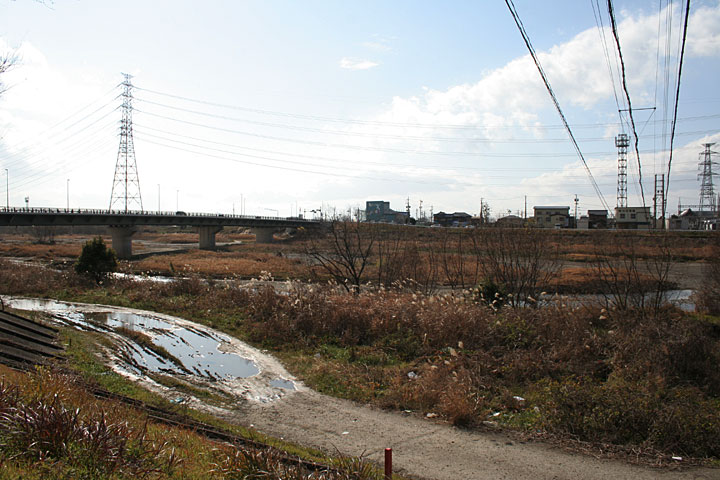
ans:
(263, 235)
(122, 240)
(207, 237)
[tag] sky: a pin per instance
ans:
(280, 107)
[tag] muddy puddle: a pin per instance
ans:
(147, 343)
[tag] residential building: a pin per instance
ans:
(380, 211)
(633, 218)
(457, 219)
(551, 216)
(510, 221)
(597, 219)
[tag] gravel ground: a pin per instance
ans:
(426, 449)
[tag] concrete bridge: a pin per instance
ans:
(123, 225)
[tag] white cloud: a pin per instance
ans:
(379, 43)
(704, 32)
(357, 64)
(577, 70)
(511, 103)
(379, 46)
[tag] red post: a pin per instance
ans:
(388, 464)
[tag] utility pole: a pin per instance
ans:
(126, 183)
(482, 220)
(177, 200)
(67, 192)
(659, 200)
(7, 187)
(159, 209)
(526, 208)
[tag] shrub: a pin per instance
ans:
(687, 424)
(489, 293)
(680, 420)
(708, 297)
(96, 260)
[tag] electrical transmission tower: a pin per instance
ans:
(126, 183)
(707, 192)
(622, 142)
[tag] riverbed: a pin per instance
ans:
(148, 344)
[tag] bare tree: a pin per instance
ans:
(455, 249)
(708, 296)
(401, 263)
(345, 252)
(629, 281)
(519, 260)
(391, 250)
(7, 61)
(421, 267)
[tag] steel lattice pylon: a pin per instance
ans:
(126, 183)
(707, 191)
(621, 142)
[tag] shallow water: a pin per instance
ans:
(282, 383)
(197, 350)
(679, 298)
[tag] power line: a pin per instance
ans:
(368, 122)
(520, 26)
(613, 25)
(344, 145)
(47, 133)
(144, 137)
(677, 97)
(603, 40)
(17, 159)
(373, 135)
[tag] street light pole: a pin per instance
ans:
(7, 187)
(67, 189)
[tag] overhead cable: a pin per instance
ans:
(677, 98)
(613, 24)
(526, 39)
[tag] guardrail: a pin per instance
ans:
(149, 213)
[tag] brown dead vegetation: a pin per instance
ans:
(629, 374)
(241, 264)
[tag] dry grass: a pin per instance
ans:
(186, 237)
(51, 428)
(223, 264)
(46, 252)
(467, 360)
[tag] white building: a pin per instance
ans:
(633, 218)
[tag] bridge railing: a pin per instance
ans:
(85, 211)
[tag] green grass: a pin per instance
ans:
(217, 398)
(469, 361)
(82, 355)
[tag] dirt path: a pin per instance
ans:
(422, 448)
(428, 450)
